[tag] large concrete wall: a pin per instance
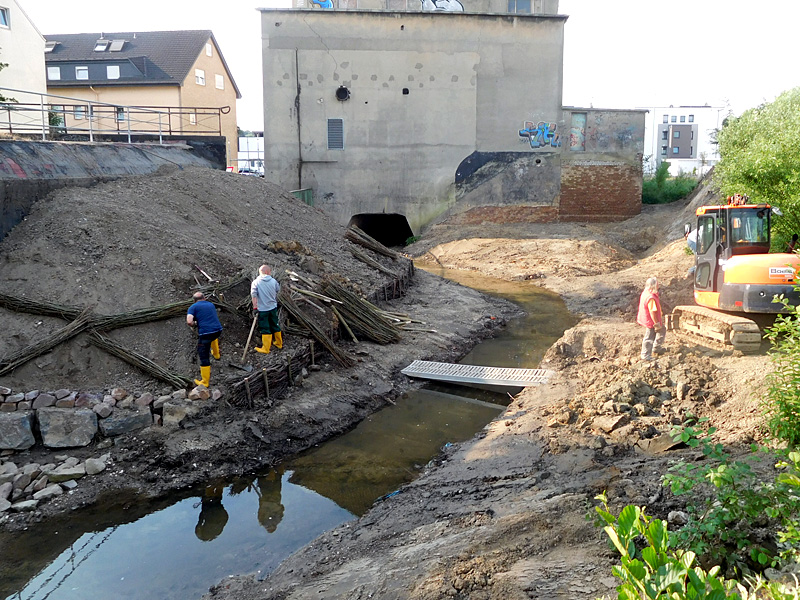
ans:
(427, 91)
(31, 170)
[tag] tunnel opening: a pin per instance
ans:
(390, 229)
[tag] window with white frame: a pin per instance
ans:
(220, 82)
(112, 71)
(119, 113)
(675, 150)
(4, 20)
(53, 73)
(683, 118)
(79, 111)
(666, 119)
(101, 45)
(193, 117)
(199, 77)
(676, 134)
(673, 119)
(663, 150)
(209, 50)
(691, 118)
(519, 6)
(50, 46)
(81, 72)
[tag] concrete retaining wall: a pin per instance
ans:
(31, 170)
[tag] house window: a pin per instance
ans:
(4, 20)
(675, 150)
(49, 46)
(81, 72)
(683, 118)
(691, 118)
(193, 117)
(673, 119)
(112, 72)
(666, 119)
(220, 82)
(79, 111)
(335, 134)
(101, 45)
(663, 150)
(519, 6)
(116, 45)
(676, 134)
(209, 51)
(54, 73)
(664, 134)
(199, 77)
(119, 113)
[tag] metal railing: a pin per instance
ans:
(55, 117)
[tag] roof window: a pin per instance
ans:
(116, 45)
(50, 46)
(101, 45)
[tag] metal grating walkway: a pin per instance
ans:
(475, 374)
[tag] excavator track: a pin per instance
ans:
(736, 331)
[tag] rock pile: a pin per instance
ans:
(69, 419)
(23, 488)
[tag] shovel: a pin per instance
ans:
(249, 337)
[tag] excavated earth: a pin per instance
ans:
(503, 516)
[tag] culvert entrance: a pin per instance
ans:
(390, 229)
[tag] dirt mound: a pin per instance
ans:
(147, 241)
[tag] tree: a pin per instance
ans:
(759, 157)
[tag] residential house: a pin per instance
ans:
(685, 136)
(181, 76)
(22, 49)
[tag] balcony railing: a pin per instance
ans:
(56, 117)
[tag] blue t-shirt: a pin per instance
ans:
(205, 314)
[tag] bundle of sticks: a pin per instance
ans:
(359, 316)
(355, 235)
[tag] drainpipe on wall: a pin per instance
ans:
(297, 110)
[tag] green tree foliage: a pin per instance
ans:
(759, 156)
(660, 188)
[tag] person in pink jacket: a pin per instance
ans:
(651, 318)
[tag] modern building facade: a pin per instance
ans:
(251, 153)
(431, 112)
(22, 49)
(684, 136)
(182, 70)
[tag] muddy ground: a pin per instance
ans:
(502, 516)
(505, 515)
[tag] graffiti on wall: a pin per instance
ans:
(321, 3)
(443, 5)
(541, 134)
(577, 132)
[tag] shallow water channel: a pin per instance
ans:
(177, 547)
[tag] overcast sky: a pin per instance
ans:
(618, 53)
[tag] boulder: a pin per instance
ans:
(44, 400)
(67, 428)
(65, 473)
(25, 506)
(4, 505)
(16, 430)
(103, 410)
(125, 421)
(177, 410)
(94, 466)
(49, 492)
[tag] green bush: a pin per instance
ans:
(660, 188)
(782, 405)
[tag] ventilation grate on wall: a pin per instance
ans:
(335, 134)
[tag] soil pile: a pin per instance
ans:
(142, 242)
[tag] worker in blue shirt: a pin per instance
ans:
(203, 315)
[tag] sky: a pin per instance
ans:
(617, 53)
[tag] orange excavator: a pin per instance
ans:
(735, 274)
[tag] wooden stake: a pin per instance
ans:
(249, 337)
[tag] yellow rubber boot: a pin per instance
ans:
(205, 373)
(278, 340)
(215, 349)
(266, 342)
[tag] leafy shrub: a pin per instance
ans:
(782, 405)
(661, 189)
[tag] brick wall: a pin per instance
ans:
(600, 192)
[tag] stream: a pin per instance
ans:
(176, 548)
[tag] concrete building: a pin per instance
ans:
(537, 7)
(182, 71)
(421, 114)
(684, 136)
(22, 49)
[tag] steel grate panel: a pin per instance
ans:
(424, 369)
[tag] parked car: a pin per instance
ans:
(251, 172)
